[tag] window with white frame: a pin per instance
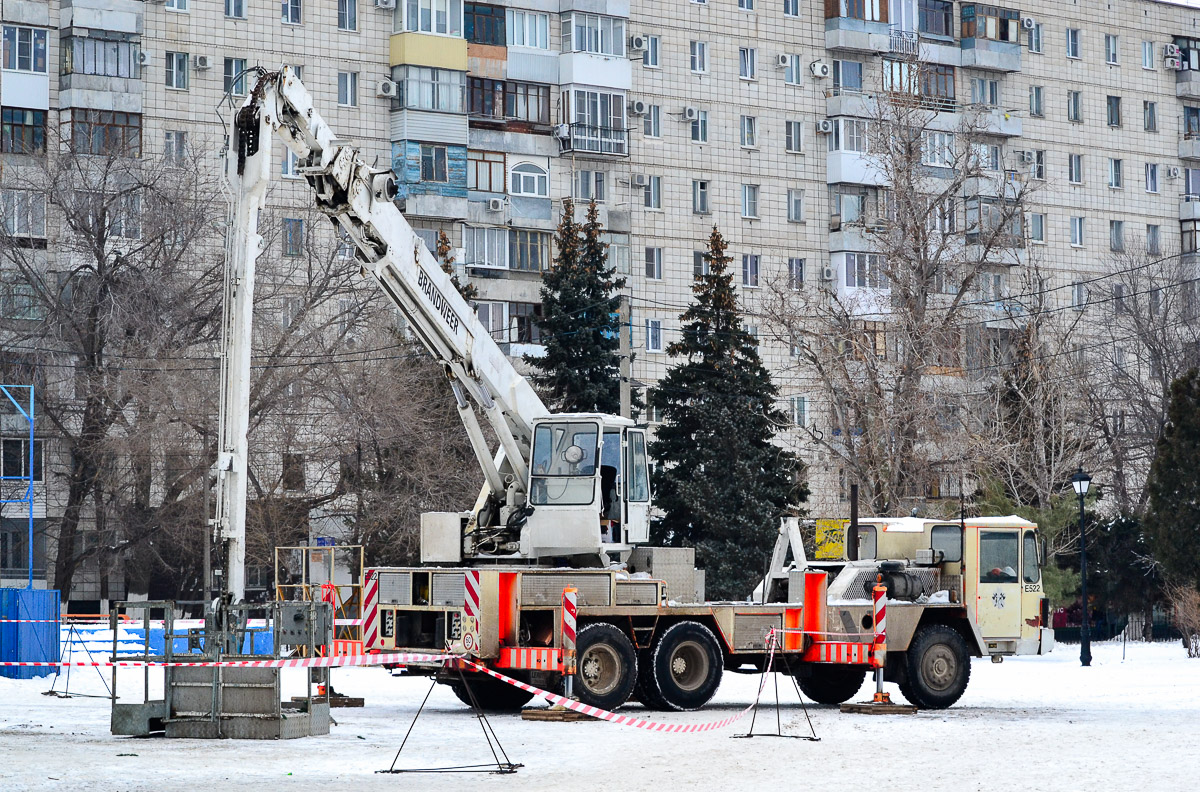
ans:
(700, 264)
(791, 8)
(1113, 111)
(1075, 106)
(433, 163)
(23, 213)
(654, 263)
(848, 204)
(746, 5)
(1116, 235)
(937, 149)
(749, 131)
(494, 318)
(654, 335)
(1079, 295)
(748, 63)
(175, 147)
(235, 9)
(485, 247)
(602, 35)
(795, 273)
(700, 127)
(1148, 55)
(291, 12)
(793, 137)
(1116, 177)
(1110, 49)
(750, 270)
(293, 240)
(235, 76)
(985, 91)
(986, 156)
(347, 15)
(652, 122)
(750, 200)
(792, 73)
(444, 17)
(795, 201)
(1075, 168)
(176, 73)
(650, 54)
(426, 88)
(1038, 171)
(527, 28)
(1035, 37)
(798, 411)
(288, 166)
(176, 5)
(1153, 240)
(590, 185)
(1037, 105)
(1073, 42)
(1151, 177)
(865, 271)
(1037, 227)
(348, 89)
(699, 56)
(700, 196)
(530, 180)
(1150, 116)
(847, 76)
(652, 193)
(1076, 232)
(849, 134)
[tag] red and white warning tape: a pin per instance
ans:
(395, 658)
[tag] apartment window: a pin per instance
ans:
(175, 147)
(793, 137)
(176, 73)
(1191, 181)
(1079, 295)
(1075, 168)
(1115, 173)
(650, 54)
(292, 478)
(599, 122)
(795, 273)
(847, 76)
(700, 196)
(485, 97)
(485, 171)
(602, 35)
(105, 132)
(652, 193)
(750, 270)
(25, 49)
(486, 247)
(987, 156)
(1037, 105)
(177, 5)
(15, 453)
(1116, 235)
(348, 89)
(652, 122)
(1074, 106)
(1114, 111)
(1035, 38)
(795, 199)
(528, 251)
(865, 271)
(654, 258)
(293, 237)
(1153, 240)
(434, 16)
(484, 24)
(749, 130)
(700, 127)
(1191, 121)
(937, 149)
(798, 411)
(347, 14)
(530, 180)
(1151, 177)
(654, 341)
(236, 9)
(100, 54)
(750, 200)
(1072, 42)
(1039, 164)
(934, 17)
(425, 88)
(524, 318)
(849, 134)
(699, 56)
(1150, 116)
(1077, 232)
(23, 213)
(747, 63)
(1037, 227)
(235, 76)
(1148, 55)
(288, 166)
(700, 264)
(527, 28)
(494, 318)
(23, 131)
(1110, 49)
(791, 8)
(590, 185)
(985, 91)
(433, 163)
(524, 101)
(991, 216)
(291, 12)
(848, 205)
(793, 71)
(746, 5)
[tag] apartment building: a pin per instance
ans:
(674, 117)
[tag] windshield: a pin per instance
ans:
(564, 463)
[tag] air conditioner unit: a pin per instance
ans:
(1170, 51)
(387, 5)
(827, 273)
(637, 108)
(638, 180)
(1029, 23)
(782, 61)
(690, 114)
(495, 204)
(1173, 172)
(825, 126)
(387, 89)
(144, 58)
(637, 42)
(1174, 63)
(562, 131)
(201, 62)
(819, 69)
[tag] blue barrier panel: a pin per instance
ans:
(28, 642)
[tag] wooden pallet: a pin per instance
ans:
(871, 708)
(554, 714)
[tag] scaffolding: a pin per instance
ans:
(309, 573)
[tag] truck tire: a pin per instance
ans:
(490, 693)
(606, 666)
(938, 667)
(688, 664)
(645, 691)
(832, 684)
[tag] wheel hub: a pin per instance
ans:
(689, 665)
(939, 667)
(600, 669)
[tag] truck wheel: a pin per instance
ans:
(832, 684)
(688, 664)
(646, 692)
(938, 667)
(490, 693)
(606, 666)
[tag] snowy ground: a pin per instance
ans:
(1028, 724)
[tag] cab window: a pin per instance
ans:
(866, 542)
(998, 556)
(639, 474)
(564, 463)
(948, 540)
(1030, 571)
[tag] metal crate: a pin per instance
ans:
(395, 588)
(539, 589)
(637, 592)
(750, 629)
(447, 589)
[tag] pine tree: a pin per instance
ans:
(579, 324)
(446, 256)
(721, 482)
(1173, 521)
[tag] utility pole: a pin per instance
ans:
(625, 349)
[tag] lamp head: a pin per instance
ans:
(1080, 482)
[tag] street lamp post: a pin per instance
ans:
(1081, 481)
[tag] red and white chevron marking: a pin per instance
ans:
(532, 659)
(838, 652)
(392, 658)
(371, 610)
(471, 600)
(570, 615)
(879, 645)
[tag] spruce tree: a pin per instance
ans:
(721, 482)
(1173, 521)
(579, 324)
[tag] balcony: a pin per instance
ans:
(991, 37)
(902, 42)
(857, 35)
(1189, 207)
(1189, 146)
(995, 121)
(982, 53)
(589, 139)
(1187, 84)
(851, 167)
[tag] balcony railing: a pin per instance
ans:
(595, 139)
(902, 42)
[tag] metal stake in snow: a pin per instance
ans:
(569, 613)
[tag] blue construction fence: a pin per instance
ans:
(29, 631)
(133, 639)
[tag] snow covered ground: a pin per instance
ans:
(1029, 724)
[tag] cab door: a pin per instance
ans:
(998, 606)
(637, 488)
